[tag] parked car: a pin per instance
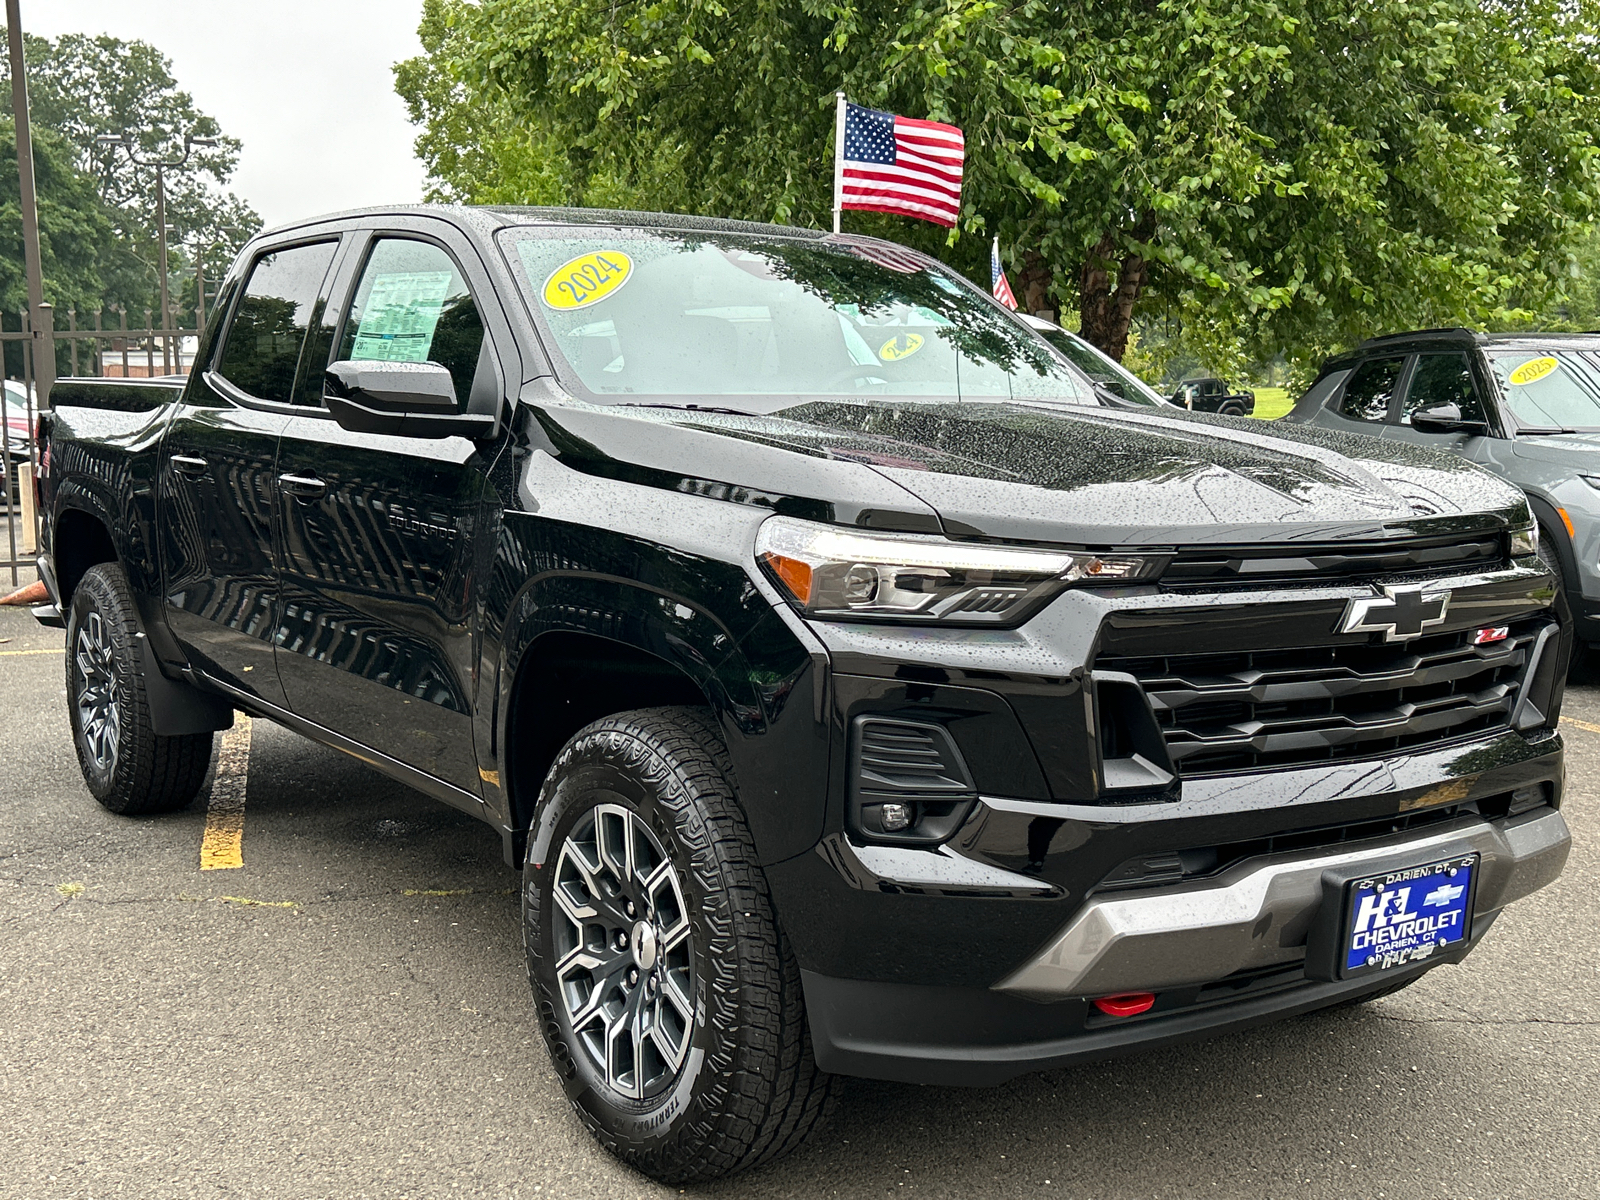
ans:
(18, 441)
(1524, 405)
(1104, 370)
(855, 691)
(1215, 396)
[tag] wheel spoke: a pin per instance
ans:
(672, 938)
(673, 1053)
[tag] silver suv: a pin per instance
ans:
(1525, 405)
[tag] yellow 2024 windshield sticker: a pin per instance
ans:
(1533, 370)
(902, 345)
(587, 279)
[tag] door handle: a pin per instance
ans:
(306, 487)
(187, 464)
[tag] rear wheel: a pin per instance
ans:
(129, 768)
(1231, 410)
(667, 995)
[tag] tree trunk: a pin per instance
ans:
(1105, 308)
(1035, 279)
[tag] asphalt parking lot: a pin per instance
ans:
(346, 1015)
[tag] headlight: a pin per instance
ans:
(1525, 540)
(833, 572)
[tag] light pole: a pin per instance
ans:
(161, 165)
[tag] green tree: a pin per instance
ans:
(1285, 174)
(81, 87)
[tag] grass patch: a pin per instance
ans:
(1272, 403)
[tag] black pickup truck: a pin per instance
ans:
(854, 691)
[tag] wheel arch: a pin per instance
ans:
(80, 539)
(1551, 526)
(579, 647)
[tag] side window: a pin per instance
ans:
(413, 306)
(262, 347)
(1367, 395)
(1442, 379)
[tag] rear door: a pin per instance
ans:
(216, 482)
(387, 539)
(1366, 400)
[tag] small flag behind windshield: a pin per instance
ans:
(999, 284)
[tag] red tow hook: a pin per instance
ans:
(1125, 1004)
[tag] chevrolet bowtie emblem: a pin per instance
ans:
(1400, 614)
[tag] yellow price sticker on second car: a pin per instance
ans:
(902, 345)
(1533, 370)
(587, 279)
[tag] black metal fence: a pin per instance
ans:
(110, 342)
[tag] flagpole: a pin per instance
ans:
(838, 158)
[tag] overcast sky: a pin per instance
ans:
(306, 85)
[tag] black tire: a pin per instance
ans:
(129, 768)
(1231, 410)
(726, 1000)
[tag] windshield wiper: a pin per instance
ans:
(704, 408)
(1553, 430)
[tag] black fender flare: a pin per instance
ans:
(176, 706)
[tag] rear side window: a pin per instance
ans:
(263, 342)
(1367, 395)
(1442, 379)
(413, 306)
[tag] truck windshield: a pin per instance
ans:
(758, 323)
(1548, 389)
(1102, 368)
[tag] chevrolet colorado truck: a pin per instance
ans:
(855, 691)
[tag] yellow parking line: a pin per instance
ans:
(1586, 726)
(222, 847)
(18, 653)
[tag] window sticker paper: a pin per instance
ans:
(400, 316)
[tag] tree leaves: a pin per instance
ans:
(1288, 175)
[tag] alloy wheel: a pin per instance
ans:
(622, 951)
(98, 713)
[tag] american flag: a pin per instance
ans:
(898, 165)
(1001, 286)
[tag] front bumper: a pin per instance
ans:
(1257, 915)
(1224, 957)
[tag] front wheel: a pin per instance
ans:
(667, 995)
(130, 769)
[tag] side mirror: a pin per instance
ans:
(409, 399)
(1445, 418)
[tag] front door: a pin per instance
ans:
(1443, 378)
(381, 533)
(216, 476)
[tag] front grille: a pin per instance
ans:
(1254, 565)
(1286, 707)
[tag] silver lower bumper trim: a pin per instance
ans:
(1257, 913)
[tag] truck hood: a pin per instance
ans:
(1044, 473)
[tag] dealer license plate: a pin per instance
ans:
(1405, 916)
